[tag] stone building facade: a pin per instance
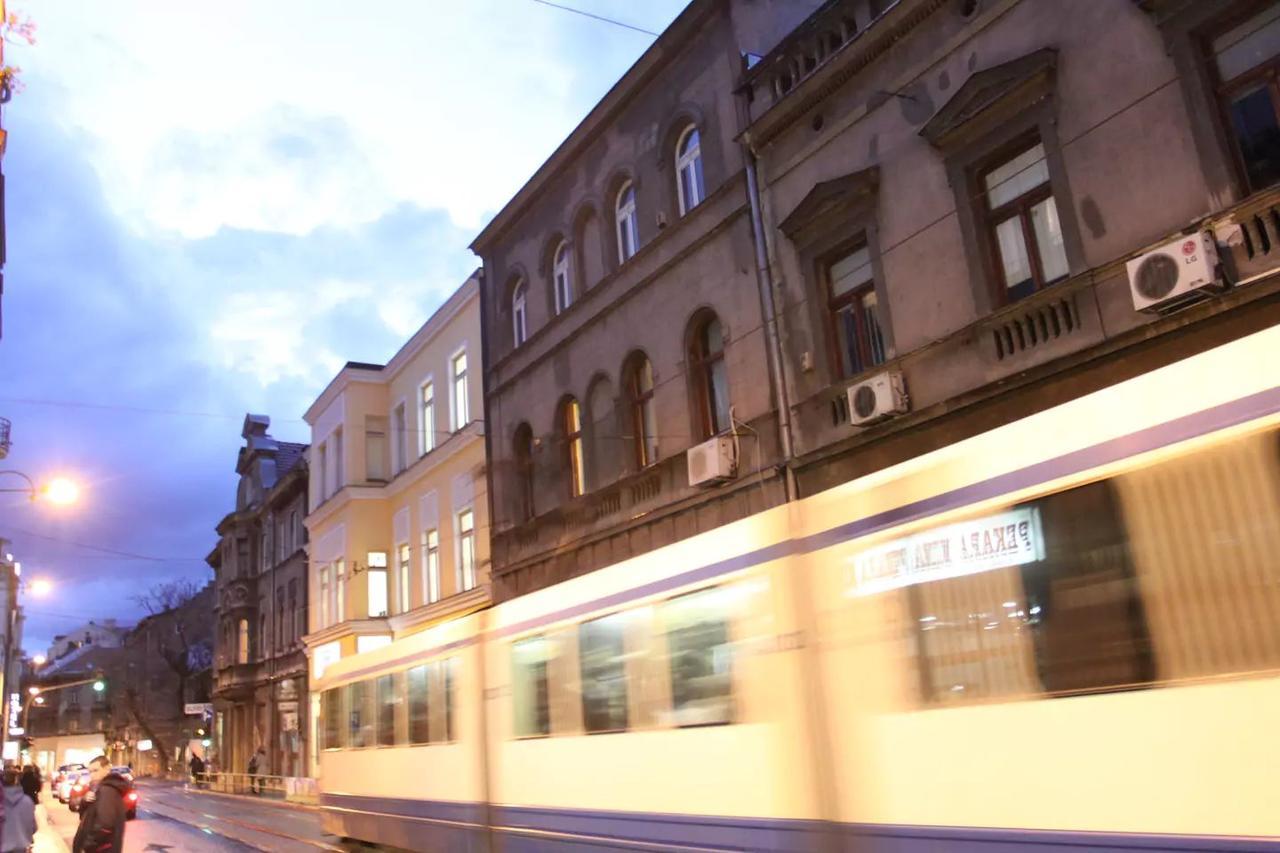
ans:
(399, 515)
(930, 206)
(260, 687)
(624, 324)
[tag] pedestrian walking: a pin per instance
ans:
(197, 770)
(32, 783)
(257, 764)
(103, 814)
(19, 825)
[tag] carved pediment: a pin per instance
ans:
(990, 95)
(832, 198)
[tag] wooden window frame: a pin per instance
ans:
(702, 364)
(637, 401)
(575, 462)
(835, 303)
(1019, 207)
(1224, 90)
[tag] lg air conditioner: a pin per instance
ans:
(712, 461)
(882, 396)
(1183, 271)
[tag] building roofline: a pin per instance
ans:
(683, 28)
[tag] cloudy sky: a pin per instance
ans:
(211, 207)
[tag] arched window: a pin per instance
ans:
(644, 427)
(689, 170)
(571, 424)
(628, 233)
(709, 376)
(560, 278)
(523, 447)
(519, 314)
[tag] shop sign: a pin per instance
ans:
(1009, 538)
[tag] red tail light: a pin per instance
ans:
(132, 796)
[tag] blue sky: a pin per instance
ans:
(211, 207)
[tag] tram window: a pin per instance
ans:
(418, 679)
(530, 696)
(439, 709)
(700, 658)
(601, 650)
(360, 714)
(386, 710)
(1053, 607)
(333, 719)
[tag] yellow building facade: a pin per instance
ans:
(398, 519)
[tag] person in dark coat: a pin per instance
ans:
(197, 769)
(103, 814)
(31, 783)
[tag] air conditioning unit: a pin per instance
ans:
(712, 461)
(882, 396)
(1169, 277)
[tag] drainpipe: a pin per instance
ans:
(774, 343)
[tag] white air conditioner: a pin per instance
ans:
(1174, 274)
(879, 397)
(712, 461)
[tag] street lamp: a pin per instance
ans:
(59, 491)
(40, 588)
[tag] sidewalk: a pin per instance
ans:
(277, 801)
(47, 838)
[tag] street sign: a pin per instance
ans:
(144, 745)
(197, 709)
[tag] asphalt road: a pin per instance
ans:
(172, 818)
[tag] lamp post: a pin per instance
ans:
(58, 490)
(36, 694)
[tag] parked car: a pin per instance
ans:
(62, 781)
(131, 796)
(79, 786)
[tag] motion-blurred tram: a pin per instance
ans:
(1062, 633)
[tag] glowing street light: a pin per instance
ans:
(40, 588)
(33, 690)
(60, 491)
(39, 700)
(39, 660)
(99, 686)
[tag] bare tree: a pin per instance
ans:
(183, 655)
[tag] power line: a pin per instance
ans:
(112, 551)
(616, 23)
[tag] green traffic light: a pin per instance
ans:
(99, 686)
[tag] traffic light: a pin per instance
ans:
(99, 686)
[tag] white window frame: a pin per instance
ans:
(431, 564)
(380, 574)
(399, 437)
(459, 405)
(519, 313)
(322, 466)
(339, 469)
(427, 421)
(625, 217)
(339, 597)
(462, 549)
(325, 593)
(561, 280)
(690, 159)
(404, 566)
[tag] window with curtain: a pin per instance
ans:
(853, 312)
(519, 314)
(575, 460)
(461, 409)
(431, 564)
(644, 425)
(1022, 222)
(689, 170)
(710, 376)
(1246, 65)
(427, 416)
(466, 550)
(560, 276)
(627, 227)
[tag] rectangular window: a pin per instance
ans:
(264, 552)
(339, 608)
(1246, 60)
(404, 563)
(400, 440)
(333, 719)
(324, 598)
(386, 710)
(339, 468)
(700, 657)
(854, 313)
(602, 652)
(419, 687)
(431, 565)
(377, 592)
(461, 412)
(428, 418)
(322, 482)
(375, 449)
(466, 550)
(360, 714)
(529, 693)
(1022, 218)
(242, 649)
(281, 548)
(294, 541)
